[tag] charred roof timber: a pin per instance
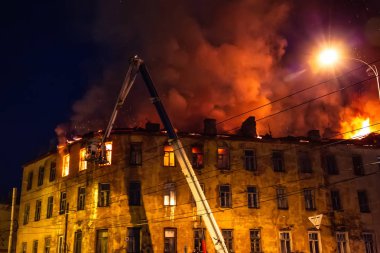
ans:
(248, 128)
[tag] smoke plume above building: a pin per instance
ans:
(209, 59)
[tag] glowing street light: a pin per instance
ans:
(330, 56)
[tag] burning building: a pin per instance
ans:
(261, 190)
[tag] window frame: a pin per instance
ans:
(169, 250)
(134, 193)
(78, 241)
(29, 181)
(170, 194)
(197, 156)
(255, 240)
(35, 246)
(287, 241)
(363, 201)
(37, 211)
(100, 240)
(282, 198)
(62, 202)
(228, 236)
(53, 171)
(169, 156)
(357, 165)
(134, 240)
(135, 153)
(49, 207)
(65, 165)
(47, 245)
(104, 194)
(369, 242)
(41, 174)
(223, 158)
(344, 245)
(253, 200)
(81, 200)
(309, 199)
(336, 203)
(198, 236)
(331, 164)
(225, 197)
(250, 161)
(305, 163)
(313, 242)
(82, 159)
(278, 161)
(26, 213)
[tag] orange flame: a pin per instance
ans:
(357, 128)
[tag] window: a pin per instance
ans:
(169, 194)
(134, 194)
(357, 163)
(225, 196)
(78, 241)
(26, 213)
(170, 240)
(62, 203)
(60, 244)
(250, 160)
(197, 156)
(198, 237)
(253, 197)
(133, 245)
(335, 200)
(47, 244)
(314, 242)
(342, 242)
(49, 211)
(285, 244)
(102, 241)
(81, 198)
(37, 213)
(82, 159)
(223, 161)
(255, 238)
(278, 161)
(23, 247)
(65, 165)
(35, 246)
(309, 196)
(41, 173)
(53, 169)
(282, 200)
(30, 181)
(331, 165)
(169, 159)
(363, 202)
(369, 243)
(135, 154)
(228, 239)
(108, 146)
(104, 195)
(304, 162)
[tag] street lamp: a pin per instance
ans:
(330, 56)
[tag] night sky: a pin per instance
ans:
(53, 54)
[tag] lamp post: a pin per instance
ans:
(330, 56)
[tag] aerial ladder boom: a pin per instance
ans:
(203, 208)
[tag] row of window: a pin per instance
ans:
(41, 175)
(170, 198)
(170, 241)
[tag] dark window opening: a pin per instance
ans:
(278, 161)
(135, 154)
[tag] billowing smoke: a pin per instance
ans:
(208, 59)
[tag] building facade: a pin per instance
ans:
(262, 192)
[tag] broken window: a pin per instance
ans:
(62, 203)
(253, 197)
(304, 162)
(37, 212)
(278, 161)
(41, 173)
(82, 159)
(65, 165)
(357, 163)
(81, 198)
(250, 160)
(135, 154)
(133, 245)
(30, 181)
(225, 195)
(363, 202)
(169, 159)
(170, 240)
(104, 195)
(169, 194)
(53, 169)
(309, 196)
(197, 156)
(134, 194)
(26, 213)
(49, 211)
(282, 199)
(223, 159)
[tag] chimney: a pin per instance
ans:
(152, 127)
(209, 127)
(248, 128)
(314, 135)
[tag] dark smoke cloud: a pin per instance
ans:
(208, 59)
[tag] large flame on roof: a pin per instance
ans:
(357, 128)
